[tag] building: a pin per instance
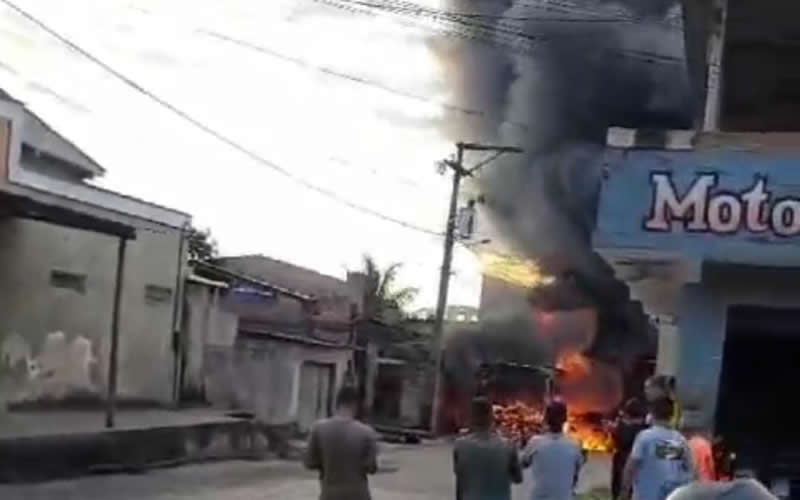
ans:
(279, 348)
(66, 247)
(398, 367)
(704, 225)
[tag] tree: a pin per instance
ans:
(201, 245)
(380, 293)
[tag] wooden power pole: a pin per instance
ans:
(459, 171)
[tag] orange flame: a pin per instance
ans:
(519, 421)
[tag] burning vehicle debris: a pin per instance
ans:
(537, 355)
(519, 419)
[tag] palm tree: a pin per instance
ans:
(380, 293)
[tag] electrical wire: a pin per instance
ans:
(212, 132)
(506, 36)
(361, 80)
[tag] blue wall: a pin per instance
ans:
(626, 201)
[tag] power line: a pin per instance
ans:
(210, 131)
(360, 80)
(509, 37)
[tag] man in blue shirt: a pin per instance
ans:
(660, 461)
(555, 459)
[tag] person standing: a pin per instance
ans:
(702, 451)
(555, 459)
(344, 451)
(627, 427)
(484, 464)
(660, 460)
(662, 386)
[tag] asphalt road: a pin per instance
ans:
(421, 472)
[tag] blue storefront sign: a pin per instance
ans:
(722, 206)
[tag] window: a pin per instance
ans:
(68, 281)
(155, 294)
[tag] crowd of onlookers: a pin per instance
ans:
(658, 455)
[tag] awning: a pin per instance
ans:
(14, 205)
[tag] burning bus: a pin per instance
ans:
(704, 226)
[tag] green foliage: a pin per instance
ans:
(201, 245)
(380, 292)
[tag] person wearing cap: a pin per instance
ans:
(484, 464)
(554, 458)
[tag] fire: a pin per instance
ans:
(515, 270)
(519, 421)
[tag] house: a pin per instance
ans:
(90, 278)
(397, 366)
(269, 338)
(704, 226)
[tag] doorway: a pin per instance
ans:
(316, 393)
(760, 371)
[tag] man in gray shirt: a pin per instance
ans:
(485, 465)
(344, 451)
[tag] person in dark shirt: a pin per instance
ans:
(485, 464)
(344, 451)
(630, 422)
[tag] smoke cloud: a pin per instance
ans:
(556, 99)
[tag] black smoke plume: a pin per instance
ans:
(556, 99)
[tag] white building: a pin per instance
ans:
(61, 239)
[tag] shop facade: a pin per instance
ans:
(707, 236)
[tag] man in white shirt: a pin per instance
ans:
(554, 458)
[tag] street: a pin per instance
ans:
(421, 472)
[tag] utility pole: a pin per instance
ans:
(459, 171)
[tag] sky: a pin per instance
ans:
(371, 147)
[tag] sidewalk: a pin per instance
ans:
(20, 424)
(49, 444)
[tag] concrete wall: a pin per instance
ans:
(205, 325)
(54, 341)
(263, 375)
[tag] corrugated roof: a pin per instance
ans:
(243, 277)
